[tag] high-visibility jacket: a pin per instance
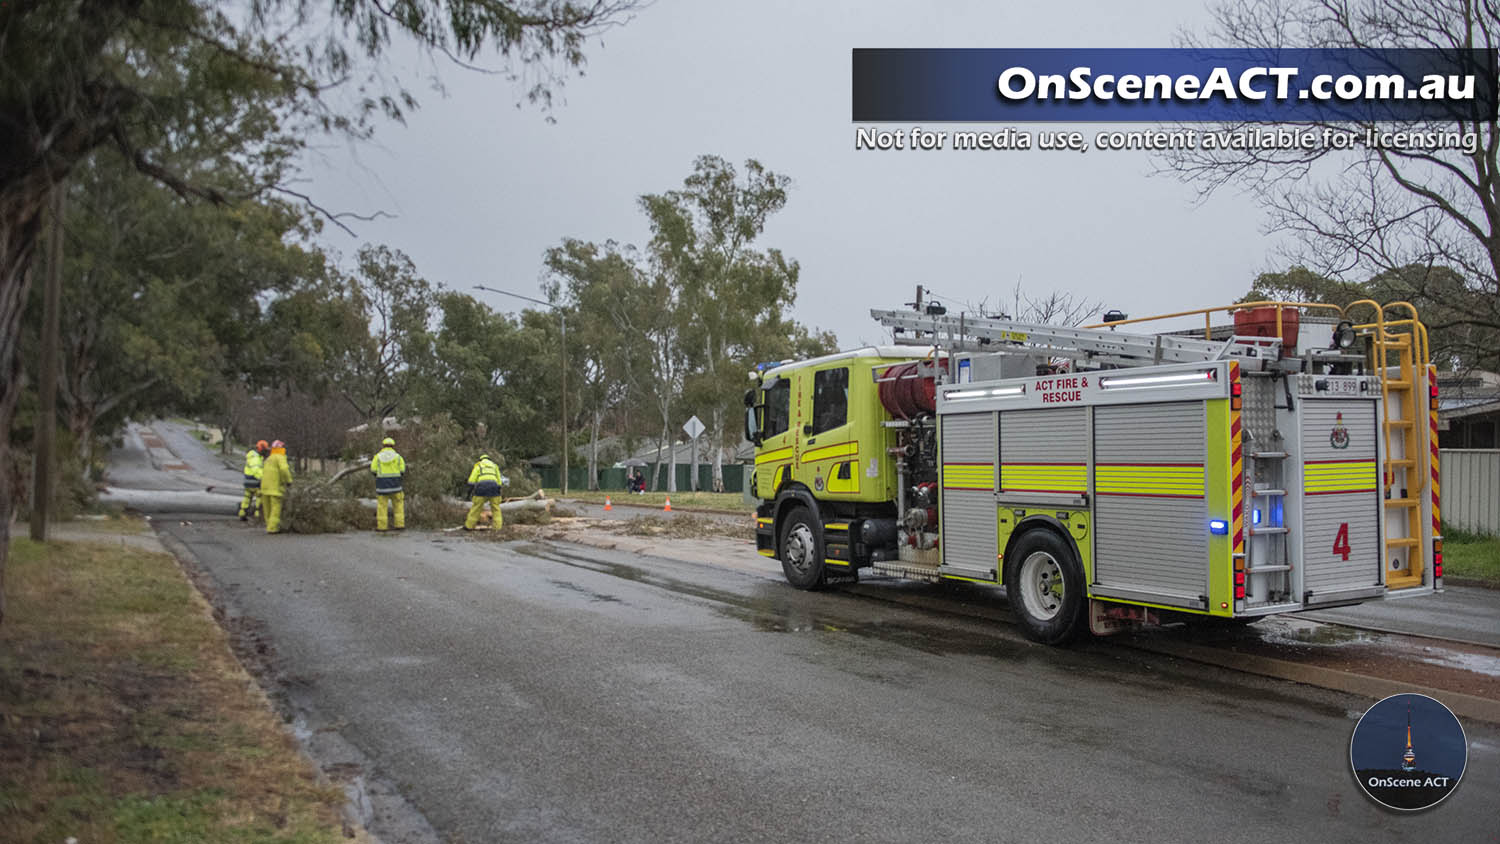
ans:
(254, 464)
(389, 468)
(276, 474)
(485, 478)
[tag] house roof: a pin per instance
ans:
(1463, 394)
(1459, 408)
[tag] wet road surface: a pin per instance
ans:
(534, 691)
(1462, 613)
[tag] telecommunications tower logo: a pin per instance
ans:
(1408, 752)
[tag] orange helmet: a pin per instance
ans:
(260, 445)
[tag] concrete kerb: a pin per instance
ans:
(1376, 688)
(1450, 580)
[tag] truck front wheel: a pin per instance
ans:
(802, 549)
(1045, 585)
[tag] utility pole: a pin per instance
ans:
(562, 317)
(46, 421)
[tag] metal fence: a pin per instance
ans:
(1471, 489)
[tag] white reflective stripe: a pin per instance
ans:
(389, 462)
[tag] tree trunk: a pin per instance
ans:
(594, 451)
(656, 483)
(716, 420)
(81, 426)
(20, 224)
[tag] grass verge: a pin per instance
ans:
(680, 500)
(104, 524)
(1471, 558)
(683, 527)
(126, 718)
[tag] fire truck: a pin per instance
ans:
(1108, 478)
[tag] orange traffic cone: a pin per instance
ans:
(668, 508)
(607, 504)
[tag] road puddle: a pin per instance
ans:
(1290, 630)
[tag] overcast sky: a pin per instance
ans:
(481, 188)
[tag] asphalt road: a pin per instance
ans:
(552, 692)
(536, 692)
(162, 468)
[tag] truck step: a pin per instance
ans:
(912, 570)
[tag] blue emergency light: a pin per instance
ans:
(1218, 526)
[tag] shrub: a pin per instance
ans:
(439, 455)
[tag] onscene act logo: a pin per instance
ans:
(1408, 752)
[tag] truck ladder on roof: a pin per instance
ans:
(1092, 344)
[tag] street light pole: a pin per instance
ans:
(562, 318)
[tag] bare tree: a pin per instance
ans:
(1055, 307)
(1419, 214)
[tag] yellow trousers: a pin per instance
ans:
(397, 501)
(273, 512)
(496, 520)
(250, 504)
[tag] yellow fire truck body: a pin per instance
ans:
(1109, 479)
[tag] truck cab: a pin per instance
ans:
(823, 448)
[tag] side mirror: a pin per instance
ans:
(752, 426)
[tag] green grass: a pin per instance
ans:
(680, 500)
(126, 717)
(1469, 556)
(113, 524)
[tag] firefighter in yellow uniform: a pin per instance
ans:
(389, 469)
(255, 459)
(484, 486)
(275, 480)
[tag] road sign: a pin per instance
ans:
(693, 427)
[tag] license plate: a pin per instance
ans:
(1343, 386)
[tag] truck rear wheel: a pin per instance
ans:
(802, 549)
(1044, 582)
